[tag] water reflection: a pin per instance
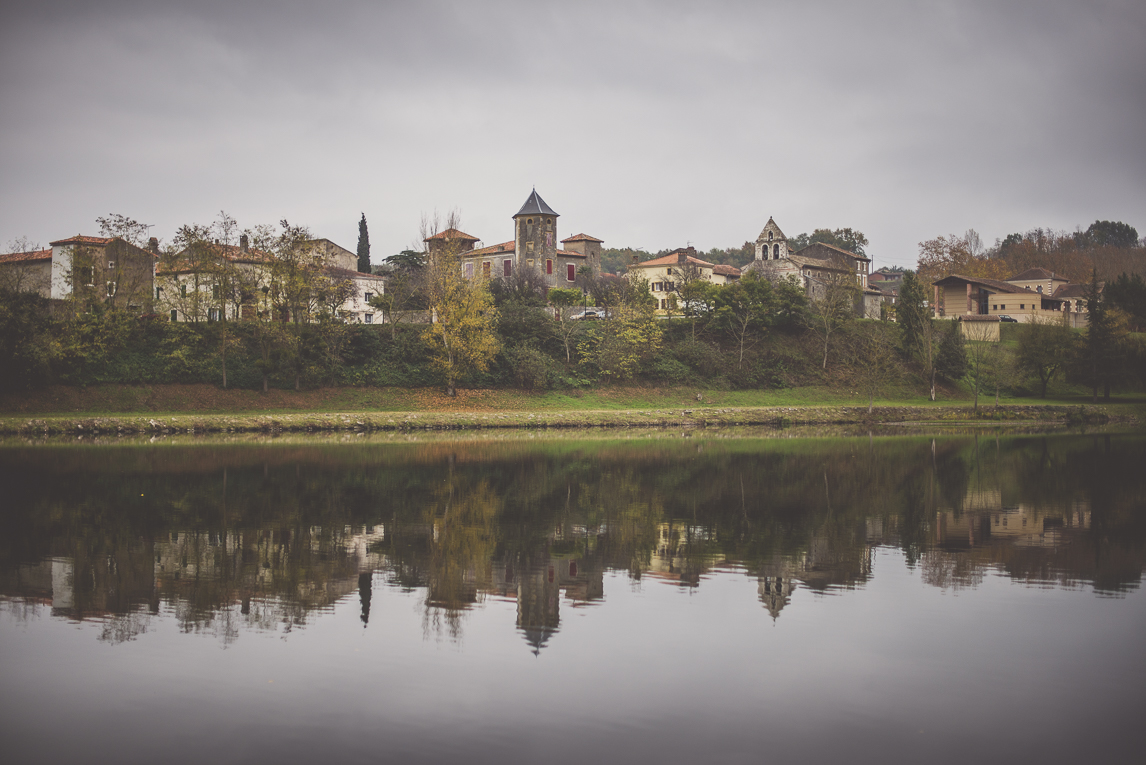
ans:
(233, 538)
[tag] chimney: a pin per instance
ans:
(682, 257)
(153, 245)
(635, 260)
(244, 243)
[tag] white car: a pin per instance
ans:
(589, 313)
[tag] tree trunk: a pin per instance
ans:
(296, 381)
(932, 385)
(870, 401)
(264, 383)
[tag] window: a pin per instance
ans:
(1022, 306)
(468, 270)
(1002, 306)
(776, 252)
(506, 268)
(548, 265)
(84, 275)
(571, 272)
(174, 315)
(529, 262)
(183, 290)
(485, 269)
(994, 308)
(215, 292)
(213, 314)
(1040, 290)
(111, 267)
(158, 293)
(368, 296)
(368, 318)
(111, 289)
(769, 236)
(529, 247)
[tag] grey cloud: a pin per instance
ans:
(644, 123)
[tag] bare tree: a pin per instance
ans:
(872, 361)
(831, 307)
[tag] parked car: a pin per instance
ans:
(1004, 317)
(588, 313)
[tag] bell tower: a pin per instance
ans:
(771, 244)
(535, 233)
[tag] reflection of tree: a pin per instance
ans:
(229, 539)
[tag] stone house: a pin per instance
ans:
(816, 266)
(103, 269)
(189, 292)
(664, 274)
(534, 246)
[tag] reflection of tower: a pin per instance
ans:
(365, 591)
(775, 593)
(537, 604)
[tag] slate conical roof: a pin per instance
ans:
(535, 205)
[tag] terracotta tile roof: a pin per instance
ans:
(231, 252)
(26, 257)
(726, 270)
(582, 238)
(493, 249)
(1036, 274)
(669, 260)
(80, 239)
(452, 233)
(571, 254)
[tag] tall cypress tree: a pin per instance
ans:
(1101, 343)
(363, 246)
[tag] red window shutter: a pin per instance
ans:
(571, 272)
(548, 265)
(507, 266)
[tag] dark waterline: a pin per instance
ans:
(805, 600)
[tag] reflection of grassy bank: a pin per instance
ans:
(658, 417)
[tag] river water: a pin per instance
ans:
(946, 598)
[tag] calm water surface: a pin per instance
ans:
(947, 599)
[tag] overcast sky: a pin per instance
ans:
(647, 124)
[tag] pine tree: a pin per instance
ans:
(1101, 343)
(951, 361)
(363, 246)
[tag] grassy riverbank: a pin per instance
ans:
(205, 409)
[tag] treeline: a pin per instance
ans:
(1110, 248)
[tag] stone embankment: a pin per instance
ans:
(699, 417)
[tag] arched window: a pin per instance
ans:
(776, 252)
(769, 236)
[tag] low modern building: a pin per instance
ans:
(1033, 295)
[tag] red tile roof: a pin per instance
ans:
(1075, 291)
(26, 257)
(452, 233)
(493, 249)
(582, 238)
(726, 270)
(571, 254)
(669, 260)
(80, 239)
